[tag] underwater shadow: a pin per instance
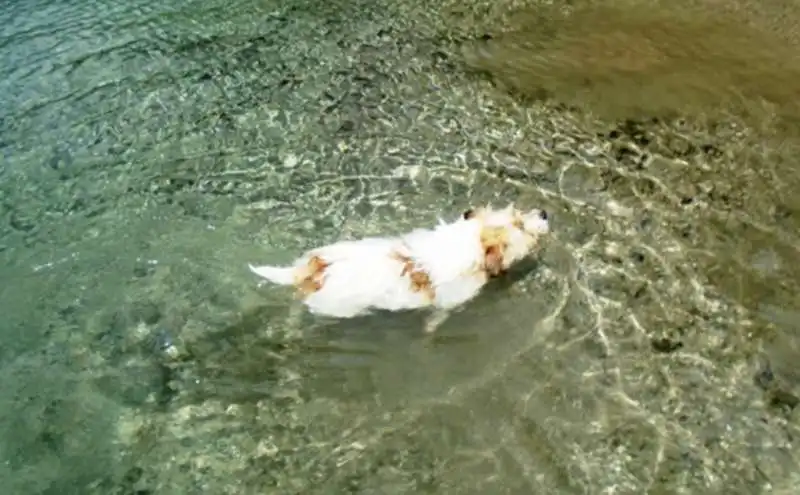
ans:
(244, 362)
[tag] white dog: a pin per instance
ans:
(440, 268)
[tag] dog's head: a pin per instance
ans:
(508, 235)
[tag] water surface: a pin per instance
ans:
(150, 150)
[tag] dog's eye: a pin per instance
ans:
(468, 214)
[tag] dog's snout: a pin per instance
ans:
(543, 214)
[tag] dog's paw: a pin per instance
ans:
(435, 320)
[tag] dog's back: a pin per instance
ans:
(366, 275)
(451, 254)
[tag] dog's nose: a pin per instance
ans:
(543, 214)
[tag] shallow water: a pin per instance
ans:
(151, 149)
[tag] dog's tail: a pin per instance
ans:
(275, 274)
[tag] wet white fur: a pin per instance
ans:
(366, 274)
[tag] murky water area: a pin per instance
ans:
(150, 150)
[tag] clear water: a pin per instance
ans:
(150, 150)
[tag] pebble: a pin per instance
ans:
(619, 210)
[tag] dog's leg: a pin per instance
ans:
(436, 319)
(294, 318)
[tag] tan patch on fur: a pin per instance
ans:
(310, 279)
(518, 222)
(494, 241)
(419, 279)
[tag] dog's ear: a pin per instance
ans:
(468, 214)
(493, 260)
(494, 241)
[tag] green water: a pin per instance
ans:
(150, 150)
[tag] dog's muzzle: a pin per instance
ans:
(537, 222)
